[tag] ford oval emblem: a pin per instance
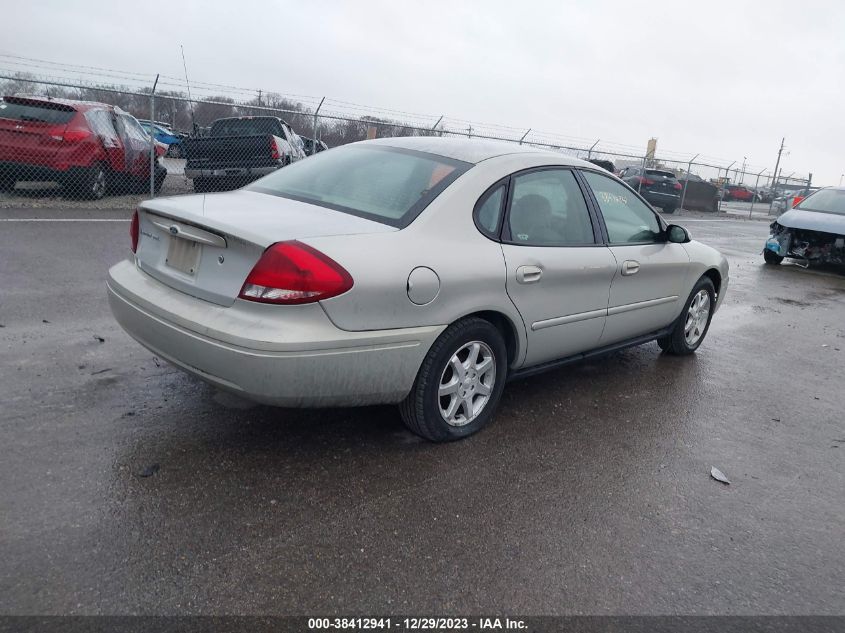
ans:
(174, 230)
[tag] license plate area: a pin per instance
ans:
(183, 255)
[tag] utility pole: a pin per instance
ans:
(777, 164)
(259, 97)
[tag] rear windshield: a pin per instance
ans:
(825, 201)
(56, 114)
(657, 172)
(245, 127)
(386, 184)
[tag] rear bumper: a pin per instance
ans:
(230, 172)
(28, 171)
(287, 356)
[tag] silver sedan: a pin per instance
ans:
(420, 271)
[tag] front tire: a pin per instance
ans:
(771, 257)
(459, 384)
(692, 325)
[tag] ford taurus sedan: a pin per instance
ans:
(425, 272)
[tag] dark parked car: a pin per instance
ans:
(238, 150)
(604, 164)
(659, 187)
(89, 148)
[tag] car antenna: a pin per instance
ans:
(187, 83)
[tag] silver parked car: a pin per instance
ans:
(419, 271)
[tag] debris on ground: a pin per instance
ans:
(99, 338)
(149, 471)
(100, 371)
(44, 321)
(718, 475)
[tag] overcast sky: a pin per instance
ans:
(724, 79)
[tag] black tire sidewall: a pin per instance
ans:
(453, 339)
(679, 343)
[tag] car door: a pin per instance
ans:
(558, 272)
(647, 287)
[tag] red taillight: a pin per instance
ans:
(678, 186)
(134, 232)
(646, 181)
(292, 273)
(76, 135)
(274, 149)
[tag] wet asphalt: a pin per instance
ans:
(129, 487)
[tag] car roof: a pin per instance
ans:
(471, 150)
(81, 106)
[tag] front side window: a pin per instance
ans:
(628, 219)
(385, 184)
(548, 209)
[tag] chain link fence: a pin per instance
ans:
(66, 141)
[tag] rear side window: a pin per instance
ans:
(548, 209)
(56, 114)
(489, 211)
(628, 219)
(386, 184)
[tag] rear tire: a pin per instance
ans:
(92, 183)
(771, 257)
(669, 210)
(692, 325)
(459, 384)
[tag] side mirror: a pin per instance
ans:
(677, 234)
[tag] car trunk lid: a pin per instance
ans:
(206, 246)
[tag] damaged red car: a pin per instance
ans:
(813, 232)
(90, 149)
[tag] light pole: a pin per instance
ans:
(840, 179)
(742, 178)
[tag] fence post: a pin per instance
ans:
(686, 182)
(590, 151)
(756, 184)
(314, 139)
(523, 136)
(434, 127)
(153, 139)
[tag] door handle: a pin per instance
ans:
(630, 267)
(528, 274)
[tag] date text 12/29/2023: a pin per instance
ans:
(417, 624)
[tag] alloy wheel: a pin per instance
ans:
(466, 383)
(698, 314)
